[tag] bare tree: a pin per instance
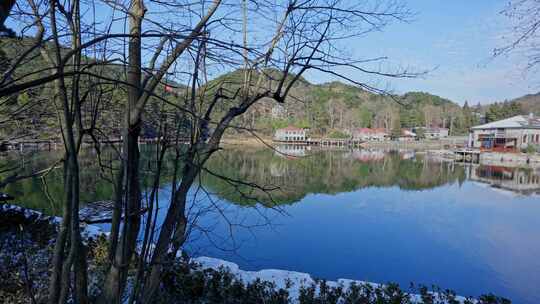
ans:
(200, 41)
(523, 36)
(5, 9)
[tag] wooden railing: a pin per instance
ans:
(500, 149)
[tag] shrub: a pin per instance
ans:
(531, 149)
(186, 283)
(337, 134)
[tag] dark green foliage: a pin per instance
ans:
(532, 149)
(186, 283)
(183, 284)
(498, 111)
(420, 133)
(320, 293)
(469, 118)
(337, 134)
(529, 103)
(492, 299)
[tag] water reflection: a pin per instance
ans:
(295, 170)
(520, 181)
(323, 171)
(361, 214)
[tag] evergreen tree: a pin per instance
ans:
(468, 117)
(493, 112)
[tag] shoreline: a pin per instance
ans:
(264, 141)
(421, 145)
(295, 283)
(418, 145)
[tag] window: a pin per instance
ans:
(525, 138)
(537, 138)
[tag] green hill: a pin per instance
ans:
(529, 103)
(335, 106)
(324, 108)
(519, 106)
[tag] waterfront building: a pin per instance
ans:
(507, 135)
(434, 133)
(369, 134)
(291, 134)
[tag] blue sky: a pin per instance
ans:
(455, 40)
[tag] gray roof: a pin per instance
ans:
(516, 122)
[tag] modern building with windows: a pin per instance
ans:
(433, 133)
(507, 135)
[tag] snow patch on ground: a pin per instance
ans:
(87, 231)
(291, 281)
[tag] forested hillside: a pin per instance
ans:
(335, 107)
(329, 108)
(529, 103)
(33, 114)
(500, 110)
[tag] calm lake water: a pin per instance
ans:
(367, 215)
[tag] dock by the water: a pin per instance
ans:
(54, 144)
(515, 159)
(326, 142)
(467, 155)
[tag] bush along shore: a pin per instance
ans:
(27, 240)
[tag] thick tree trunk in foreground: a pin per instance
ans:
(5, 8)
(129, 198)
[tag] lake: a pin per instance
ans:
(380, 216)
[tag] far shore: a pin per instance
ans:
(251, 141)
(417, 145)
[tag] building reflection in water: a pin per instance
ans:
(519, 180)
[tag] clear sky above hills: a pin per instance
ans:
(455, 40)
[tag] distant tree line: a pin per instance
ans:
(502, 110)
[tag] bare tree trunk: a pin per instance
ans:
(5, 8)
(175, 217)
(60, 283)
(124, 244)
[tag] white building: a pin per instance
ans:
(368, 134)
(435, 133)
(291, 151)
(507, 135)
(291, 134)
